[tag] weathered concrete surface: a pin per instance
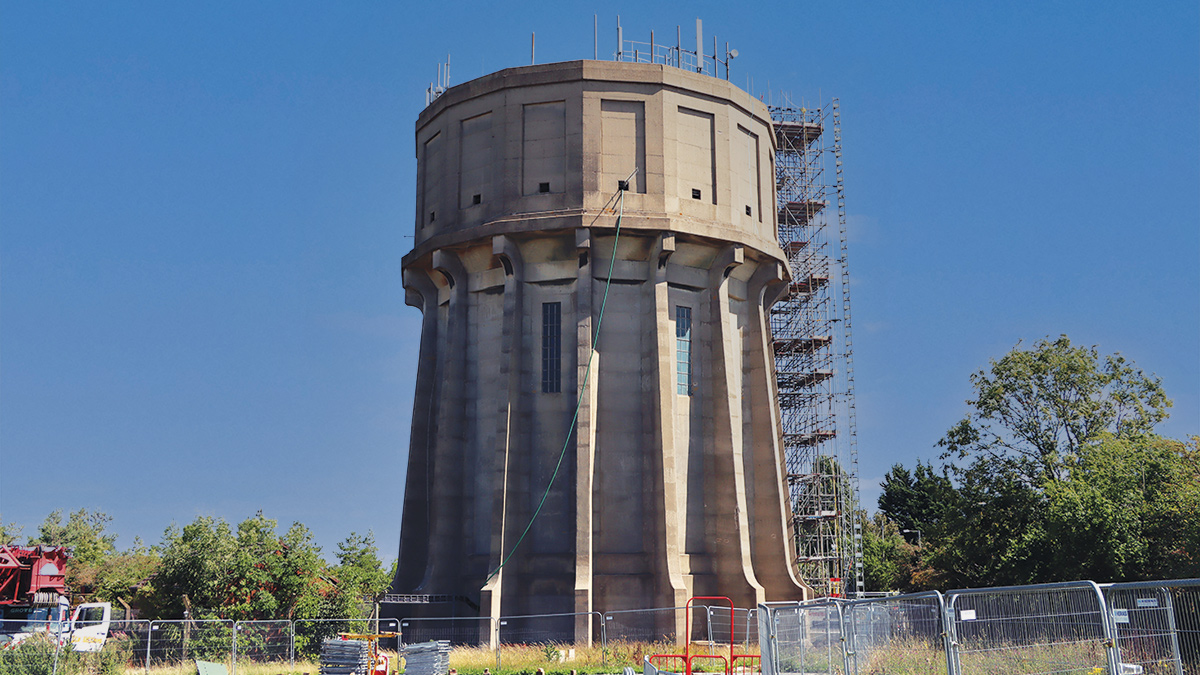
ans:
(670, 485)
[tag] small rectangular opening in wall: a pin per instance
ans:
(623, 185)
(432, 216)
(543, 187)
(476, 199)
(695, 193)
(749, 211)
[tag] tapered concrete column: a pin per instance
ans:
(733, 557)
(661, 365)
(772, 534)
(585, 436)
(420, 291)
(505, 528)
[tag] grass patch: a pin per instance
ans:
(555, 659)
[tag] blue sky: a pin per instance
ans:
(203, 208)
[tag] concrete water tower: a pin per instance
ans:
(671, 481)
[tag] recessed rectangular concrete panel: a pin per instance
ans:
(433, 161)
(544, 148)
(623, 144)
(619, 454)
(546, 423)
(477, 163)
(483, 366)
(747, 201)
(696, 156)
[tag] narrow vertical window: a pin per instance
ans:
(551, 347)
(683, 350)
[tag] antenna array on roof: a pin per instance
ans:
(675, 55)
(443, 82)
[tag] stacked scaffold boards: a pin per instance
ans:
(345, 657)
(426, 658)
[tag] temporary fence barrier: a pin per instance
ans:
(1143, 628)
(172, 642)
(903, 633)
(460, 630)
(262, 641)
(802, 638)
(743, 629)
(1030, 630)
(655, 625)
(1157, 625)
(542, 628)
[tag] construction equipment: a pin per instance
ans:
(355, 654)
(34, 599)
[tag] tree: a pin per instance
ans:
(919, 500)
(196, 561)
(995, 536)
(885, 554)
(1035, 407)
(125, 575)
(10, 532)
(255, 574)
(83, 534)
(1129, 509)
(1064, 475)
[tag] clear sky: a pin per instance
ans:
(203, 207)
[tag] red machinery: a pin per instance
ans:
(33, 575)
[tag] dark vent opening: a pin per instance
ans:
(749, 212)
(623, 185)
(432, 216)
(543, 187)
(695, 194)
(476, 199)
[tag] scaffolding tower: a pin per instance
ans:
(814, 365)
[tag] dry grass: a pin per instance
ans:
(526, 659)
(244, 668)
(555, 659)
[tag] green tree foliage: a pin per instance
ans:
(995, 534)
(917, 500)
(9, 532)
(195, 562)
(886, 555)
(253, 574)
(1128, 509)
(1061, 477)
(358, 578)
(83, 534)
(1035, 407)
(96, 570)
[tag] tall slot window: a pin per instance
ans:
(683, 350)
(551, 347)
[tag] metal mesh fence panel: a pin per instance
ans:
(130, 637)
(902, 633)
(460, 631)
(744, 630)
(1029, 630)
(537, 629)
(178, 641)
(804, 639)
(1157, 625)
(653, 625)
(263, 641)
